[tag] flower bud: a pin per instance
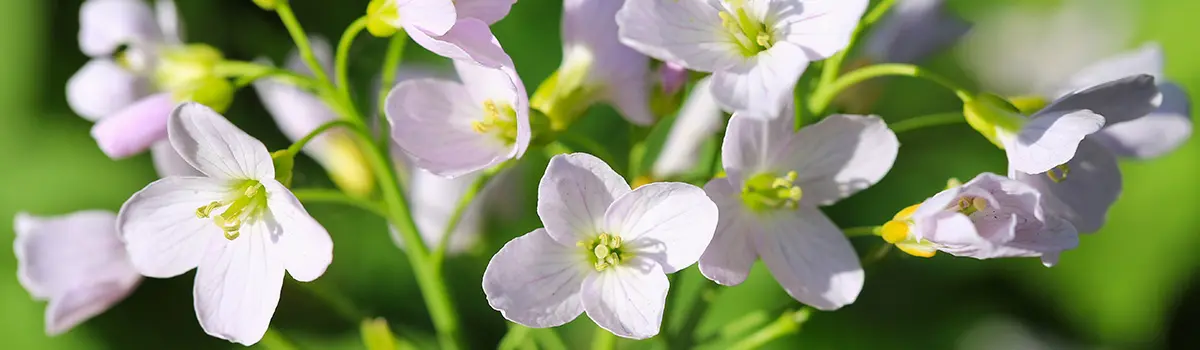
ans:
(990, 114)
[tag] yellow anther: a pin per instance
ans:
(601, 251)
(499, 119)
(895, 231)
(205, 211)
(763, 40)
(979, 203)
(918, 250)
(605, 251)
(971, 205)
(1059, 173)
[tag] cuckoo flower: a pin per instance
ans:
(452, 128)
(236, 225)
(913, 30)
(756, 49)
(605, 249)
(768, 203)
(699, 119)
(385, 17)
(989, 217)
(139, 70)
(596, 66)
(1049, 137)
(298, 112)
(453, 29)
(75, 261)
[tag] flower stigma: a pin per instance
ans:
(970, 205)
(605, 251)
(248, 202)
(499, 119)
(766, 191)
(751, 35)
(899, 230)
(1059, 173)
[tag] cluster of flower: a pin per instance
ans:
(224, 207)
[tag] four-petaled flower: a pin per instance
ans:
(768, 202)
(756, 49)
(236, 225)
(605, 249)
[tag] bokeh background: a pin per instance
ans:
(1132, 285)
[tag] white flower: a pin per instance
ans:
(605, 250)
(75, 261)
(237, 226)
(699, 119)
(452, 128)
(756, 49)
(768, 203)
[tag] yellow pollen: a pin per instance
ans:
(499, 119)
(605, 251)
(895, 231)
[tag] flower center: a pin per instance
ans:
(766, 191)
(605, 251)
(381, 16)
(499, 120)
(751, 35)
(1059, 173)
(248, 203)
(189, 72)
(968, 205)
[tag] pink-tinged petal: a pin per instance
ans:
(535, 281)
(167, 162)
(761, 86)
(668, 222)
(914, 30)
(106, 25)
(135, 128)
(1117, 101)
(166, 15)
(1156, 134)
(433, 16)
(821, 27)
(1049, 140)
(952, 232)
(303, 244)
(86, 301)
(750, 144)
(499, 85)
(838, 156)
(729, 257)
(488, 11)
(71, 253)
(1090, 186)
(216, 147)
(672, 77)
(589, 34)
(469, 40)
(688, 33)
(698, 120)
(574, 194)
(431, 121)
(811, 258)
(1147, 60)
(238, 284)
(162, 234)
(102, 88)
(627, 300)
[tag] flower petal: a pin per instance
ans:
(1049, 140)
(431, 121)
(627, 300)
(167, 161)
(914, 30)
(1117, 101)
(688, 33)
(811, 259)
(838, 156)
(101, 88)
(469, 40)
(821, 27)
(574, 195)
(134, 128)
(167, 16)
(535, 281)
(500, 84)
(86, 301)
(698, 120)
(488, 11)
(1159, 132)
(304, 245)
(1147, 60)
(669, 222)
(434, 16)
(728, 259)
(162, 234)
(238, 284)
(71, 253)
(1090, 186)
(761, 86)
(589, 32)
(215, 146)
(750, 143)
(105, 25)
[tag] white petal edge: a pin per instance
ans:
(101, 87)
(731, 254)
(238, 284)
(839, 156)
(574, 194)
(303, 244)
(215, 146)
(162, 234)
(811, 259)
(1049, 140)
(627, 300)
(535, 281)
(669, 222)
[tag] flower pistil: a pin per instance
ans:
(766, 191)
(605, 251)
(249, 201)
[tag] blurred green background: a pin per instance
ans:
(1132, 285)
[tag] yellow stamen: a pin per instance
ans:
(895, 231)
(1061, 174)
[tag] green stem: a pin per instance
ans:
(825, 93)
(391, 63)
(926, 121)
(786, 324)
(297, 32)
(439, 254)
(272, 340)
(296, 147)
(321, 195)
(833, 66)
(248, 72)
(687, 333)
(861, 231)
(341, 60)
(603, 339)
